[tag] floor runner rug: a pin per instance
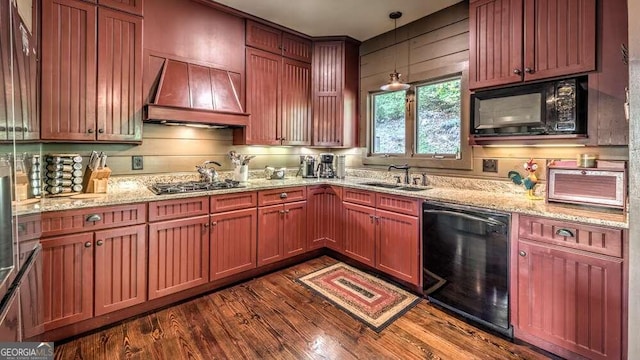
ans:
(365, 297)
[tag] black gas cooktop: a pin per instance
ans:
(192, 186)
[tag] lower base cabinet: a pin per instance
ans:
(324, 217)
(178, 255)
(386, 240)
(282, 231)
(233, 242)
(569, 294)
(359, 233)
(113, 260)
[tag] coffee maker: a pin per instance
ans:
(325, 166)
(307, 166)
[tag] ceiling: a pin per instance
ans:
(360, 19)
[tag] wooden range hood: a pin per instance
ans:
(190, 93)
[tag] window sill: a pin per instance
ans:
(464, 163)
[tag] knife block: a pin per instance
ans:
(96, 181)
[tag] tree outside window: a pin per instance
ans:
(438, 117)
(389, 123)
(437, 122)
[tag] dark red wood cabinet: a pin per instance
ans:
(91, 73)
(19, 56)
(335, 93)
(233, 242)
(131, 6)
(94, 272)
(282, 224)
(67, 265)
(385, 236)
(514, 40)
(324, 217)
(179, 243)
(267, 38)
(278, 88)
(120, 260)
(569, 294)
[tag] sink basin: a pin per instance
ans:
(395, 186)
(409, 188)
(381, 184)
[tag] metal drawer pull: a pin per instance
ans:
(214, 223)
(283, 196)
(565, 233)
(99, 242)
(87, 244)
(281, 211)
(523, 253)
(94, 217)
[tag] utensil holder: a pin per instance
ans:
(96, 181)
(241, 173)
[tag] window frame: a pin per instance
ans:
(410, 157)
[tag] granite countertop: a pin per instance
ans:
(494, 195)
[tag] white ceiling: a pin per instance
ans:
(360, 19)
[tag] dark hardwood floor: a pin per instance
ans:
(274, 317)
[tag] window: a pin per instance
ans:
(434, 131)
(438, 117)
(389, 123)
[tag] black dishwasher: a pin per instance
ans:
(466, 262)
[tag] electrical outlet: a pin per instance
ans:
(490, 165)
(136, 162)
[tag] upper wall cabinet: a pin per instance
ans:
(278, 88)
(130, 6)
(91, 73)
(266, 38)
(515, 40)
(19, 29)
(335, 93)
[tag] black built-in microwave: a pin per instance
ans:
(546, 108)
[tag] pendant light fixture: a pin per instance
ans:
(395, 83)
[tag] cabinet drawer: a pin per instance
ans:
(178, 208)
(362, 197)
(72, 221)
(228, 202)
(398, 204)
(280, 196)
(596, 239)
(29, 227)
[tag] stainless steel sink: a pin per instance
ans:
(395, 186)
(409, 188)
(382, 185)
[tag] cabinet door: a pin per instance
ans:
(296, 47)
(264, 37)
(270, 228)
(569, 299)
(178, 255)
(495, 43)
(68, 70)
(397, 245)
(359, 234)
(67, 265)
(233, 242)
(328, 74)
(295, 103)
(294, 236)
(25, 81)
(263, 86)
(130, 6)
(120, 268)
(560, 38)
(119, 76)
(332, 222)
(316, 216)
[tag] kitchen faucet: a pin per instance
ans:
(404, 167)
